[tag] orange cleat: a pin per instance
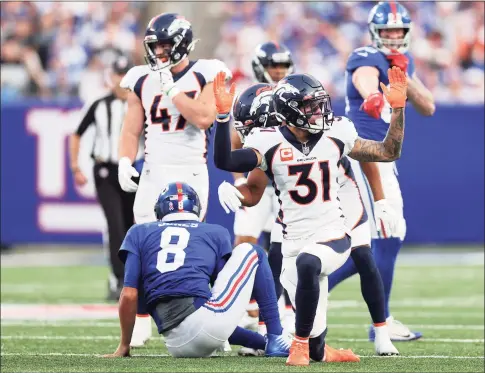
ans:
(333, 355)
(299, 354)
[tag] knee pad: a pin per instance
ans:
(308, 267)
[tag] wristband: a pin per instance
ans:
(223, 117)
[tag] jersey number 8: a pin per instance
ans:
(173, 242)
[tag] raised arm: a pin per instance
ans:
(241, 160)
(390, 149)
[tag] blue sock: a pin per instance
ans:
(344, 272)
(275, 259)
(309, 268)
(370, 283)
(265, 294)
(247, 338)
(385, 254)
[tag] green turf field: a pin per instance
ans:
(444, 302)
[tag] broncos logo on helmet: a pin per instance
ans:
(254, 108)
(174, 33)
(301, 101)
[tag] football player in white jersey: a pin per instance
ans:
(254, 108)
(271, 63)
(172, 98)
(303, 164)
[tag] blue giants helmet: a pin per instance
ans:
(177, 198)
(169, 29)
(389, 15)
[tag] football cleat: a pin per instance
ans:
(277, 345)
(299, 354)
(398, 332)
(333, 355)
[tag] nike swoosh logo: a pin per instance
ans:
(194, 174)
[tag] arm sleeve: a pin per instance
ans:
(241, 160)
(87, 117)
(132, 270)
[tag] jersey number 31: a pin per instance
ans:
(173, 242)
(303, 171)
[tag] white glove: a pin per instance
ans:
(125, 172)
(167, 85)
(229, 197)
(387, 220)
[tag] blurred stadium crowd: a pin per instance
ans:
(54, 49)
(60, 49)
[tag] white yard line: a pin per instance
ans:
(115, 337)
(116, 324)
(423, 340)
(167, 355)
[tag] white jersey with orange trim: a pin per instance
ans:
(170, 138)
(306, 176)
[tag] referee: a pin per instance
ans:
(106, 115)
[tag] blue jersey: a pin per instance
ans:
(368, 127)
(178, 259)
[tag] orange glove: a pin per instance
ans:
(396, 95)
(223, 98)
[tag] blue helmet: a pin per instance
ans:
(171, 29)
(177, 198)
(271, 54)
(254, 108)
(389, 15)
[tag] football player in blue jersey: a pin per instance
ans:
(193, 284)
(390, 29)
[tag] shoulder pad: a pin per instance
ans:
(210, 68)
(364, 56)
(133, 75)
(262, 139)
(343, 129)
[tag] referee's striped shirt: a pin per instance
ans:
(106, 114)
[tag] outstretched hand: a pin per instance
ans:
(121, 351)
(396, 94)
(223, 98)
